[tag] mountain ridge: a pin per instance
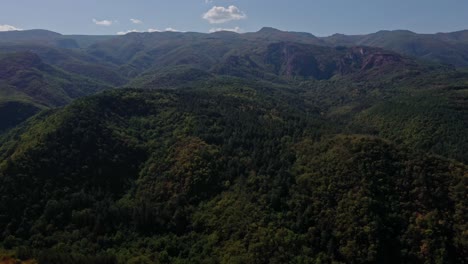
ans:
(267, 147)
(270, 54)
(448, 48)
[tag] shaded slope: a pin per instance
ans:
(50, 38)
(71, 60)
(142, 54)
(448, 48)
(29, 84)
(212, 177)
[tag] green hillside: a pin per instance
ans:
(41, 74)
(447, 48)
(265, 147)
(50, 38)
(27, 84)
(236, 176)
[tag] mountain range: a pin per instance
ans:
(139, 58)
(263, 147)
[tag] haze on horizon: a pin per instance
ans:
(320, 17)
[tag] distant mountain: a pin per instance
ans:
(448, 48)
(271, 34)
(263, 147)
(27, 84)
(269, 53)
(174, 59)
(28, 35)
(46, 37)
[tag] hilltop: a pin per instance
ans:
(263, 147)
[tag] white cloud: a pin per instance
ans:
(102, 22)
(219, 14)
(8, 28)
(126, 32)
(212, 1)
(172, 30)
(236, 29)
(136, 21)
(150, 30)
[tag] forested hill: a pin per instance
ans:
(221, 177)
(42, 69)
(265, 147)
(447, 48)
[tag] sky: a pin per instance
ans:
(319, 17)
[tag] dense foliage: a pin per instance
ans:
(213, 177)
(259, 148)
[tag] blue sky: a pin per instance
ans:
(319, 17)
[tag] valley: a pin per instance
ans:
(263, 147)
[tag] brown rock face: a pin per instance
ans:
(380, 59)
